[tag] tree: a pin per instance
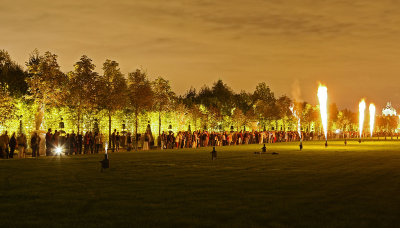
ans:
(163, 98)
(195, 114)
(243, 101)
(140, 95)
(387, 123)
(6, 105)
(282, 105)
(83, 87)
(345, 119)
(238, 118)
(223, 97)
(45, 81)
(12, 75)
(189, 99)
(264, 93)
(309, 114)
(112, 90)
(333, 113)
(265, 103)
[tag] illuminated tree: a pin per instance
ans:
(195, 114)
(309, 114)
(140, 95)
(264, 111)
(243, 101)
(238, 118)
(264, 102)
(282, 107)
(13, 75)
(345, 119)
(387, 123)
(83, 87)
(46, 82)
(163, 98)
(112, 90)
(6, 105)
(223, 98)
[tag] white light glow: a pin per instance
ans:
(361, 110)
(371, 118)
(323, 107)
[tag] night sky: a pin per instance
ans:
(351, 46)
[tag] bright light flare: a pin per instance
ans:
(323, 107)
(58, 150)
(298, 119)
(371, 118)
(361, 110)
(106, 146)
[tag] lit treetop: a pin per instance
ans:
(6, 105)
(45, 79)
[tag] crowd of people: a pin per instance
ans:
(93, 143)
(185, 139)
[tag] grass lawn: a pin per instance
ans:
(353, 186)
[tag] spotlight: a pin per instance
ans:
(58, 150)
(213, 154)
(105, 163)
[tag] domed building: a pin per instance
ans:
(389, 110)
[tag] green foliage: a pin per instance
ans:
(7, 105)
(46, 81)
(83, 88)
(82, 98)
(111, 87)
(12, 75)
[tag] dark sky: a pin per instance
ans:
(351, 46)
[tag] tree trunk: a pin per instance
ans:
(159, 129)
(109, 126)
(136, 130)
(79, 118)
(284, 125)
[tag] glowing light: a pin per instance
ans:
(298, 120)
(371, 118)
(106, 146)
(323, 107)
(337, 131)
(58, 150)
(361, 109)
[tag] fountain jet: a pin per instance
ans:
(361, 110)
(371, 118)
(323, 108)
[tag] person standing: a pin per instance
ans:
(97, 140)
(113, 140)
(7, 142)
(13, 145)
(68, 145)
(146, 141)
(3, 146)
(48, 142)
(79, 143)
(129, 141)
(72, 143)
(117, 141)
(35, 140)
(86, 143)
(91, 142)
(21, 141)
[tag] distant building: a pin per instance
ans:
(389, 110)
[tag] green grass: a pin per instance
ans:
(353, 186)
